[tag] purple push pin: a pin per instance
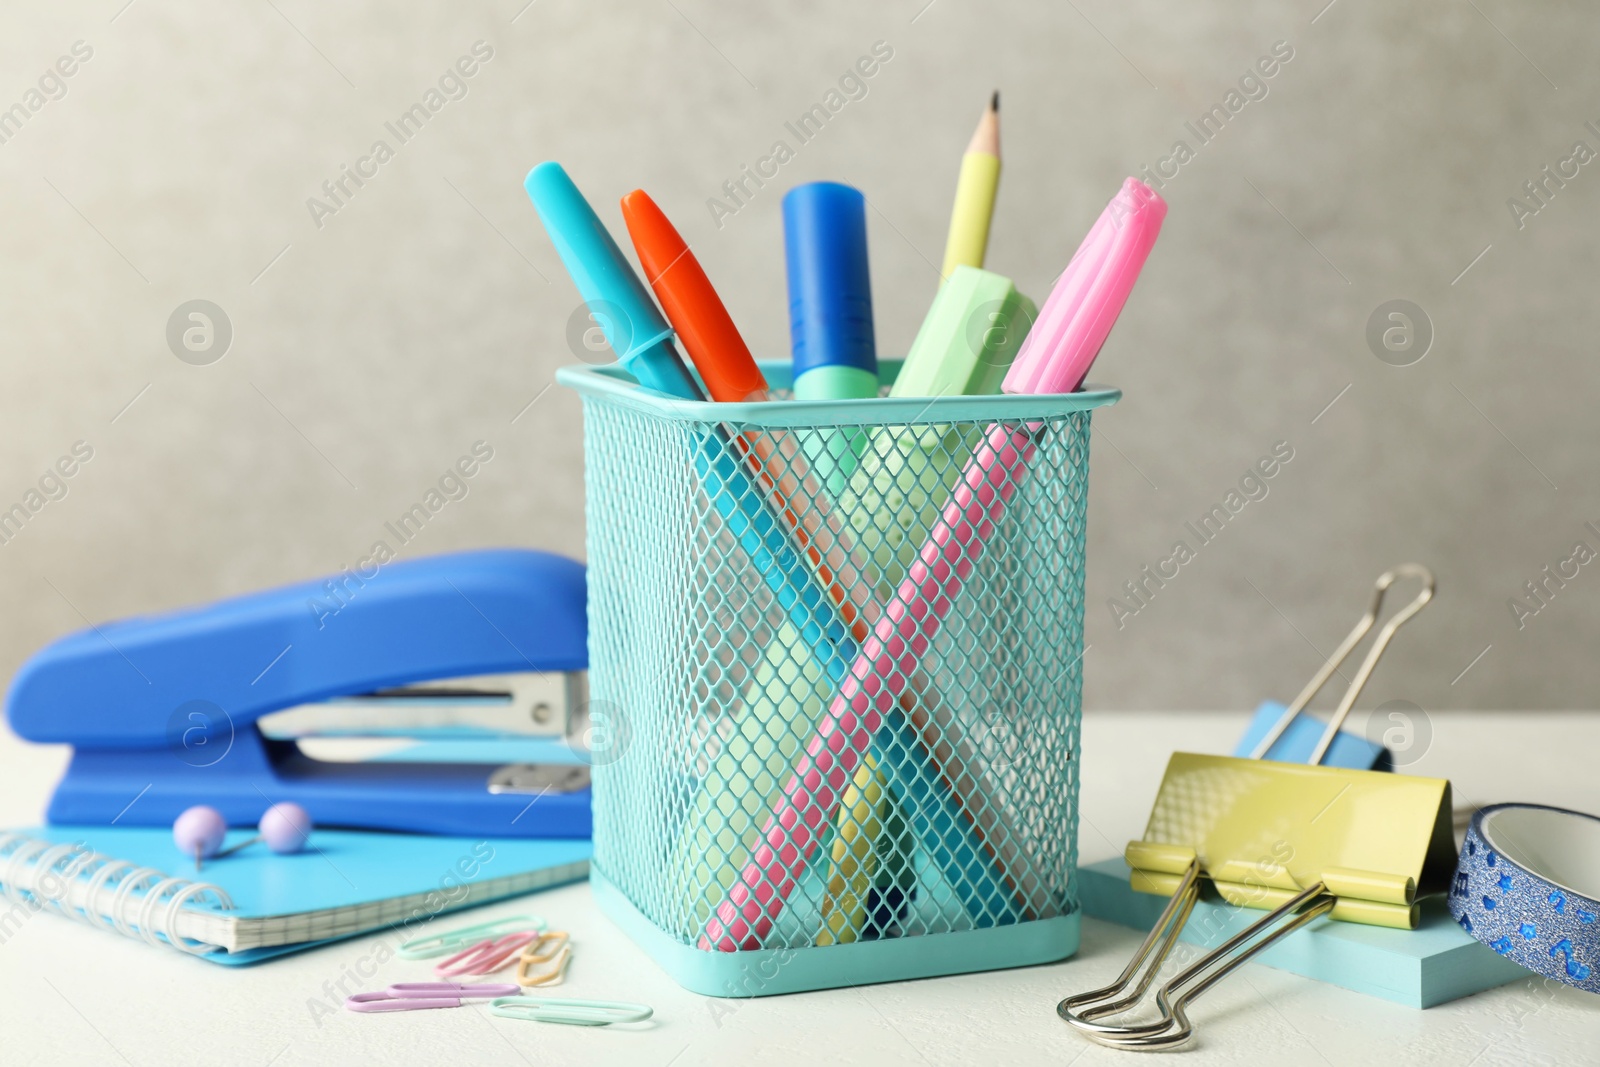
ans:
(286, 828)
(198, 832)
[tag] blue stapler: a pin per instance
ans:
(215, 705)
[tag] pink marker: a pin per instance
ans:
(1056, 356)
(1087, 298)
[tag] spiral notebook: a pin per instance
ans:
(254, 904)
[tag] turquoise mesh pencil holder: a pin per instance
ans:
(752, 836)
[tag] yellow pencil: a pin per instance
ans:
(975, 190)
(855, 857)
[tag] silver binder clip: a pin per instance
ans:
(1342, 653)
(1172, 1028)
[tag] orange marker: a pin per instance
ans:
(731, 375)
(692, 305)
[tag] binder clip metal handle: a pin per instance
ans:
(1172, 1028)
(1340, 654)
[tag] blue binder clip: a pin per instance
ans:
(1280, 733)
(210, 705)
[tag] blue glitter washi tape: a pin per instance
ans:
(1526, 886)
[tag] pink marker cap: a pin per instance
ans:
(1088, 297)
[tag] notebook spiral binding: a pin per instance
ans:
(143, 903)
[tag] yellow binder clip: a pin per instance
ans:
(1298, 840)
(1301, 840)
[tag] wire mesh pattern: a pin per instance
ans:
(845, 663)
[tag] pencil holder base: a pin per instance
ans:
(769, 972)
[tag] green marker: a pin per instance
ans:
(971, 335)
(972, 332)
(903, 478)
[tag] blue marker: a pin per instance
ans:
(633, 326)
(830, 316)
(830, 293)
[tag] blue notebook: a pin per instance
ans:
(254, 904)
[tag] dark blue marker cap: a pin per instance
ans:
(830, 288)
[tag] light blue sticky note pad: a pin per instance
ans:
(1297, 742)
(1433, 964)
(348, 882)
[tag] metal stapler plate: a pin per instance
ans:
(505, 705)
(539, 779)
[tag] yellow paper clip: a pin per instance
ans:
(544, 962)
(1298, 840)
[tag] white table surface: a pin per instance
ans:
(71, 995)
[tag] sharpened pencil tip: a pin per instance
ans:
(994, 101)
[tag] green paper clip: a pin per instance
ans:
(426, 948)
(570, 1012)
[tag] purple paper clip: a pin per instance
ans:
(419, 996)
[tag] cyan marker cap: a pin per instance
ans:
(971, 335)
(830, 289)
(617, 299)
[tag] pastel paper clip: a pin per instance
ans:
(1089, 295)
(570, 1012)
(426, 948)
(544, 962)
(485, 957)
(420, 996)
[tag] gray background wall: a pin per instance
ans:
(369, 353)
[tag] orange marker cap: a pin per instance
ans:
(691, 303)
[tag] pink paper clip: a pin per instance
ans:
(419, 996)
(485, 957)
